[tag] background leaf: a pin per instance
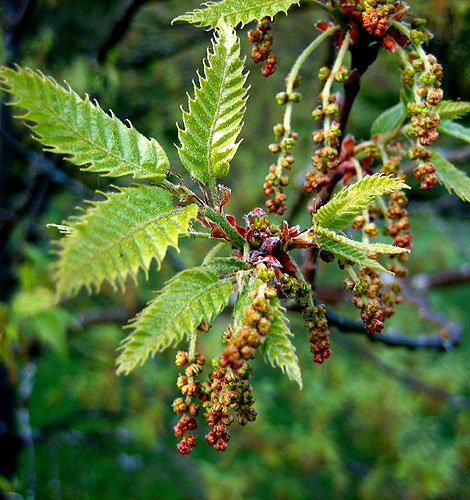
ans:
(117, 237)
(236, 12)
(389, 120)
(190, 297)
(66, 124)
(455, 130)
(452, 178)
(214, 119)
(449, 110)
(348, 203)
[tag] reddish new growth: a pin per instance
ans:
(262, 51)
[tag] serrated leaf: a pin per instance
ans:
(214, 120)
(118, 236)
(179, 308)
(450, 110)
(389, 120)
(226, 264)
(319, 231)
(455, 130)
(348, 203)
(452, 178)
(235, 12)
(347, 253)
(66, 124)
(278, 348)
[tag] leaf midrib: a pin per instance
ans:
(346, 200)
(76, 131)
(246, 9)
(178, 312)
(217, 110)
(133, 231)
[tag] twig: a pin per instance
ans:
(165, 52)
(119, 29)
(449, 277)
(393, 338)
(100, 315)
(44, 165)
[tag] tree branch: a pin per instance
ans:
(449, 277)
(445, 340)
(413, 383)
(119, 29)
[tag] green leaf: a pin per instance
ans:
(449, 110)
(455, 130)
(66, 124)
(226, 264)
(347, 253)
(214, 120)
(278, 348)
(179, 308)
(235, 12)
(452, 178)
(406, 96)
(389, 120)
(317, 231)
(350, 202)
(118, 236)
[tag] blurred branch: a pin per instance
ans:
(449, 277)
(445, 340)
(42, 166)
(448, 337)
(413, 383)
(164, 52)
(419, 282)
(17, 15)
(102, 315)
(119, 29)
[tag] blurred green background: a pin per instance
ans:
(371, 423)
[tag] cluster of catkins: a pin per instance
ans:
(425, 70)
(376, 301)
(185, 408)
(377, 13)
(368, 298)
(316, 325)
(230, 394)
(328, 156)
(227, 395)
(262, 49)
(277, 177)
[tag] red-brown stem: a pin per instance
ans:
(363, 54)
